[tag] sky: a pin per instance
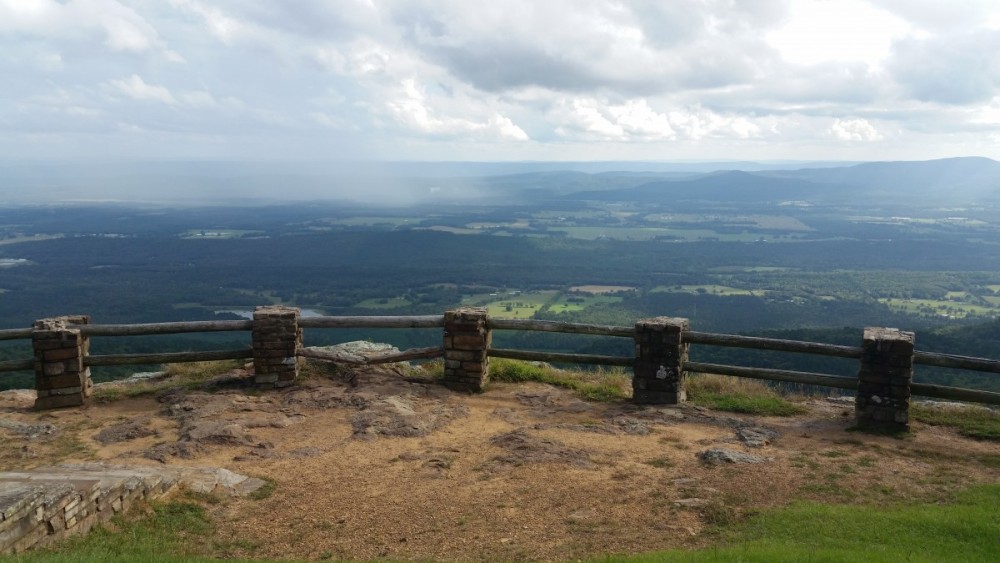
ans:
(450, 80)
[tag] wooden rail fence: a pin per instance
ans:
(883, 386)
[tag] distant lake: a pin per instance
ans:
(248, 314)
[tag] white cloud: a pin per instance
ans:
(843, 30)
(137, 89)
(854, 130)
(198, 99)
(637, 121)
(221, 25)
(411, 110)
(528, 79)
(123, 29)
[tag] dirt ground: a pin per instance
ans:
(381, 466)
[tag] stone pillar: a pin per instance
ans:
(466, 340)
(883, 399)
(660, 354)
(276, 341)
(61, 379)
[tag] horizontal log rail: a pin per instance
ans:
(16, 365)
(954, 393)
(16, 333)
(777, 344)
(958, 362)
(167, 358)
(331, 356)
(534, 356)
(405, 355)
(805, 377)
(413, 321)
(163, 328)
(437, 321)
(553, 326)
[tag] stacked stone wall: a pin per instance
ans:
(660, 354)
(61, 378)
(884, 379)
(466, 341)
(276, 342)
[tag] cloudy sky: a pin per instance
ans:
(500, 79)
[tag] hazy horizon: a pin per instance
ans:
(415, 183)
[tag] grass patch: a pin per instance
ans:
(661, 462)
(739, 395)
(191, 375)
(965, 530)
(265, 491)
(568, 302)
(174, 531)
(599, 385)
(974, 422)
(519, 305)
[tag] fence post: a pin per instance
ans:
(660, 354)
(61, 379)
(467, 338)
(883, 399)
(276, 341)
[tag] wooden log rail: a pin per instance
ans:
(163, 328)
(166, 358)
(807, 378)
(534, 356)
(553, 326)
(957, 362)
(437, 321)
(16, 333)
(425, 321)
(738, 341)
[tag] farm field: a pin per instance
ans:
(939, 307)
(513, 305)
(570, 303)
(712, 289)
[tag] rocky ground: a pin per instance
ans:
(381, 465)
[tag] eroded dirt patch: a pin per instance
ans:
(380, 466)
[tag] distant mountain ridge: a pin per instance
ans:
(955, 181)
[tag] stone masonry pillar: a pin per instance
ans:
(276, 341)
(466, 340)
(61, 378)
(883, 399)
(660, 354)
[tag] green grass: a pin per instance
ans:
(191, 375)
(708, 289)
(265, 491)
(581, 302)
(174, 531)
(974, 422)
(739, 395)
(505, 306)
(965, 530)
(611, 385)
(936, 307)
